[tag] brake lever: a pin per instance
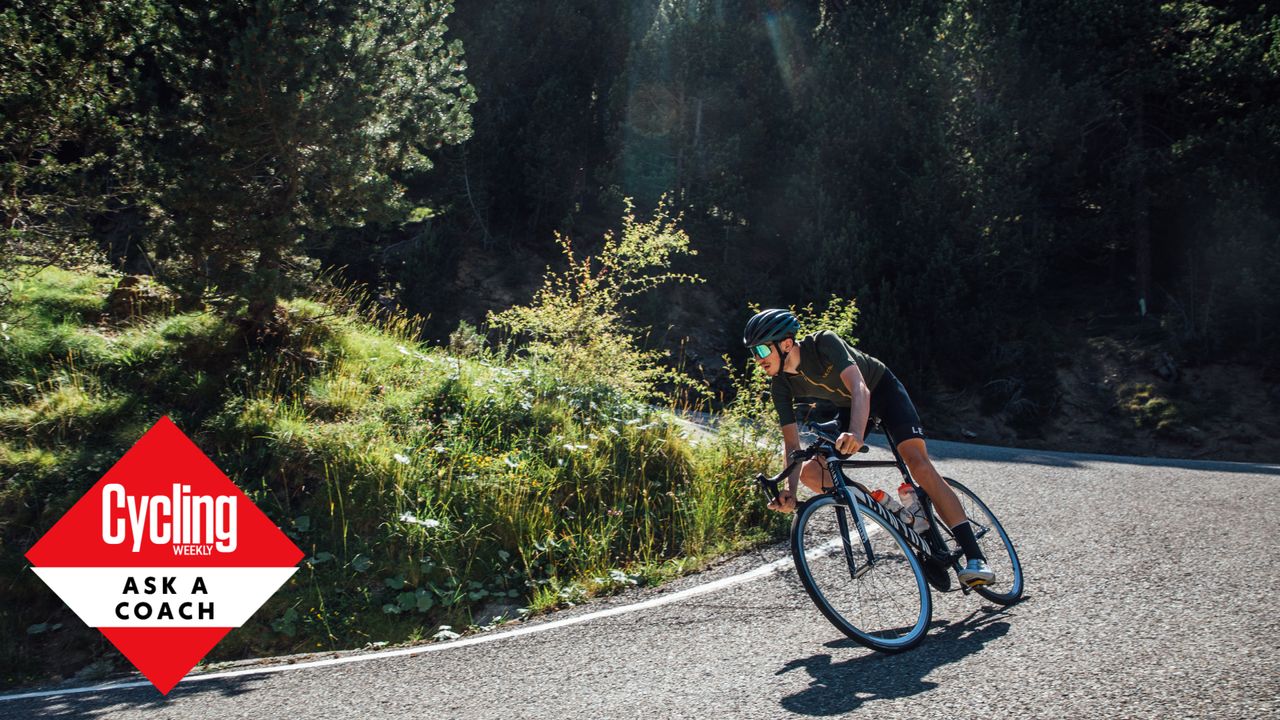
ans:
(769, 486)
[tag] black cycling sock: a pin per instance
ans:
(964, 537)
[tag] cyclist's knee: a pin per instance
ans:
(812, 475)
(913, 449)
(915, 455)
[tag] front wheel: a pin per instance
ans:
(995, 545)
(882, 602)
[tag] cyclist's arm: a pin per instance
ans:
(860, 405)
(791, 443)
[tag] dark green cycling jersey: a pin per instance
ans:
(823, 356)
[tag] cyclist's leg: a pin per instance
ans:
(815, 476)
(893, 406)
(945, 503)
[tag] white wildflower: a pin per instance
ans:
(424, 522)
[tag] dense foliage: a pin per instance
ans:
(280, 120)
(943, 161)
(67, 138)
(577, 326)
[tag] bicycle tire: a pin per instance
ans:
(875, 609)
(996, 546)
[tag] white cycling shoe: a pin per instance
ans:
(976, 573)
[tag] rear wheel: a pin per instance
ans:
(885, 603)
(995, 545)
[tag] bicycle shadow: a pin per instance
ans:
(142, 698)
(843, 687)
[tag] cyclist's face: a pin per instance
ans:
(771, 363)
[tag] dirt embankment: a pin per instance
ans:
(1120, 395)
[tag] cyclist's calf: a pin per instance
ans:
(916, 457)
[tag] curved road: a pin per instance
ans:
(1151, 590)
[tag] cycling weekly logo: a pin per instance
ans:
(164, 555)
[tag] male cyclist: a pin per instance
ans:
(823, 366)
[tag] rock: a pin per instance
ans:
(96, 670)
(496, 612)
(135, 297)
(1166, 367)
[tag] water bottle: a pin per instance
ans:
(890, 503)
(911, 507)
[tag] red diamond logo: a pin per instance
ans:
(164, 555)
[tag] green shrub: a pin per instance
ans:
(1150, 409)
(576, 326)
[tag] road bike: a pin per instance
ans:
(867, 570)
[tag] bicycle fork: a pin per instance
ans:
(843, 505)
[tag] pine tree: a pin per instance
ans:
(66, 123)
(279, 120)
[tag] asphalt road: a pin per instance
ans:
(1151, 591)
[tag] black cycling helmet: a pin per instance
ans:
(769, 326)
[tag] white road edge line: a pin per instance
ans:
(762, 571)
(759, 572)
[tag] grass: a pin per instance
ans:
(427, 488)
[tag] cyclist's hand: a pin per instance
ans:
(848, 443)
(785, 503)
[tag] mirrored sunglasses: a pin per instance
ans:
(761, 351)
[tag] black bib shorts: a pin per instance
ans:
(890, 403)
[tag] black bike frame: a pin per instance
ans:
(844, 489)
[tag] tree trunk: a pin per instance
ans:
(1141, 207)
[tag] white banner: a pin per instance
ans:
(164, 597)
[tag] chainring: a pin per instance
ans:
(935, 572)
